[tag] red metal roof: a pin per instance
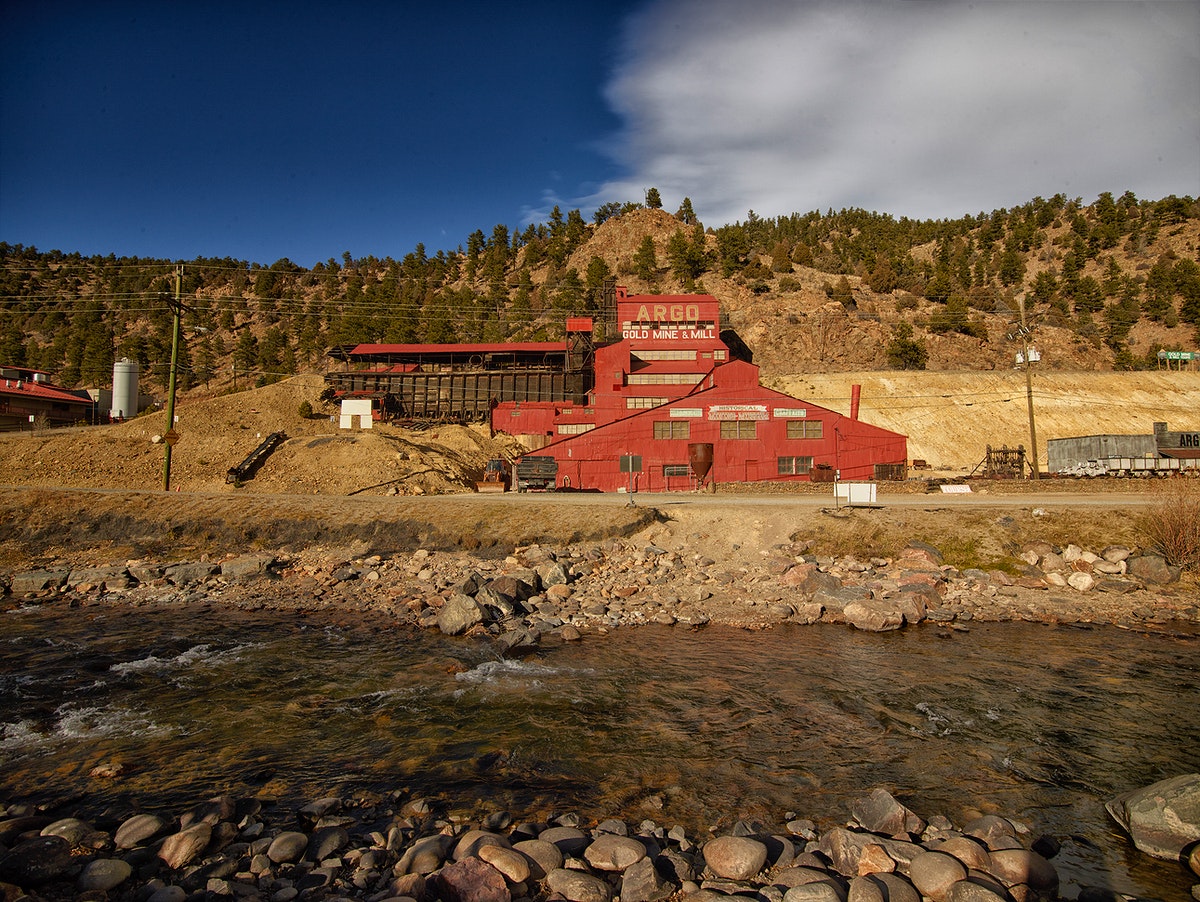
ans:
(40, 390)
(514, 347)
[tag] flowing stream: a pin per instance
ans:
(693, 728)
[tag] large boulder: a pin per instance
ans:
(881, 813)
(459, 614)
(874, 615)
(1162, 818)
(471, 880)
(735, 857)
(1151, 568)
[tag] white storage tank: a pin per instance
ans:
(125, 389)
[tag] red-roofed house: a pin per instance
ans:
(27, 396)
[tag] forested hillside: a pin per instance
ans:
(1106, 286)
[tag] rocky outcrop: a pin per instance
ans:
(1162, 819)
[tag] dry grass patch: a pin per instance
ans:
(986, 539)
(39, 525)
(1173, 524)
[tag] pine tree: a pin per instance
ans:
(645, 260)
(903, 351)
(653, 200)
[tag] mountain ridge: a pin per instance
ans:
(1106, 286)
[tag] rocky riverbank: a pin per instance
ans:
(417, 850)
(538, 590)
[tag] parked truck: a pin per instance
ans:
(537, 473)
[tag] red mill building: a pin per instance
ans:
(669, 388)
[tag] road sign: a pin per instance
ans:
(171, 437)
(631, 463)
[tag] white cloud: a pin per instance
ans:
(918, 108)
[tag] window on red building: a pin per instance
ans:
(739, 429)
(795, 466)
(672, 429)
(805, 429)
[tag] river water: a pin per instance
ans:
(693, 728)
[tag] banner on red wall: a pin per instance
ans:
(738, 412)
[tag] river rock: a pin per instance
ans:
(993, 831)
(933, 873)
(610, 852)
(11, 828)
(509, 862)
(247, 566)
(553, 574)
(471, 880)
(975, 889)
(1022, 866)
(103, 874)
(325, 842)
(970, 851)
(287, 847)
(72, 829)
(1162, 818)
(181, 848)
(735, 857)
(212, 811)
(31, 581)
(36, 860)
(578, 886)
(641, 882)
(138, 829)
(102, 577)
(1081, 582)
(873, 615)
(881, 813)
(830, 890)
(472, 841)
(873, 888)
(190, 572)
(459, 614)
(168, 894)
(1151, 568)
(543, 856)
(874, 860)
(514, 588)
(425, 855)
(570, 840)
(799, 875)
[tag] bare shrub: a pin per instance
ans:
(1173, 523)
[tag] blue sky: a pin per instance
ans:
(301, 130)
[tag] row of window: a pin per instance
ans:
(664, 378)
(739, 429)
(788, 466)
(647, 354)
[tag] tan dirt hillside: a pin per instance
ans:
(218, 433)
(951, 418)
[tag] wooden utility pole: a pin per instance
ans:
(172, 436)
(1033, 458)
